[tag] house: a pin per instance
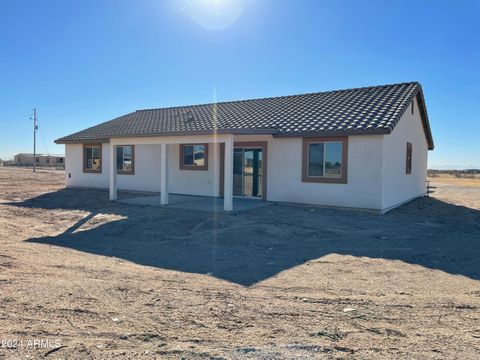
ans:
(24, 159)
(358, 148)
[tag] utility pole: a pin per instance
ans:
(35, 127)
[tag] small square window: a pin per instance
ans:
(194, 156)
(325, 160)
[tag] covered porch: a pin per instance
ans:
(190, 202)
(211, 186)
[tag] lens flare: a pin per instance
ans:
(214, 14)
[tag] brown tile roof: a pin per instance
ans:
(368, 110)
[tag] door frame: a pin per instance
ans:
(246, 145)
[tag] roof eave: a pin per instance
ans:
(348, 132)
(241, 131)
(274, 132)
(80, 141)
(426, 122)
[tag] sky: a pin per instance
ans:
(80, 63)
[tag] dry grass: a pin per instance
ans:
(459, 191)
(447, 179)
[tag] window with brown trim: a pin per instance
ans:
(92, 158)
(408, 168)
(325, 160)
(193, 156)
(125, 159)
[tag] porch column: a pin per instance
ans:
(228, 175)
(163, 174)
(113, 172)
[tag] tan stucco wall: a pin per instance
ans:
(284, 183)
(146, 177)
(398, 186)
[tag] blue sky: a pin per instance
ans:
(84, 62)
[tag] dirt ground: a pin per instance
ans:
(458, 191)
(95, 279)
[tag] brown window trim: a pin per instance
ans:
(123, 172)
(90, 171)
(318, 179)
(193, 167)
(408, 165)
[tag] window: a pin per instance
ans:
(125, 158)
(413, 106)
(59, 160)
(194, 157)
(47, 160)
(408, 169)
(325, 160)
(92, 158)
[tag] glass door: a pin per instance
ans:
(238, 172)
(248, 172)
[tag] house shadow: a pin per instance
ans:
(252, 246)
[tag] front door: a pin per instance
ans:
(248, 172)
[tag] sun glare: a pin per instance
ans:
(210, 2)
(214, 14)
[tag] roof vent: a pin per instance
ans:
(189, 116)
(186, 116)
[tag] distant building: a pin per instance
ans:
(24, 159)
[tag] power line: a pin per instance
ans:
(43, 137)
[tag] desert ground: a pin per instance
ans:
(96, 279)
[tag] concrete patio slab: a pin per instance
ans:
(190, 202)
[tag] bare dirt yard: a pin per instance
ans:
(109, 280)
(458, 191)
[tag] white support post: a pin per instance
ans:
(228, 176)
(163, 174)
(113, 172)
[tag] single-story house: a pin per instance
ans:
(358, 148)
(26, 159)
